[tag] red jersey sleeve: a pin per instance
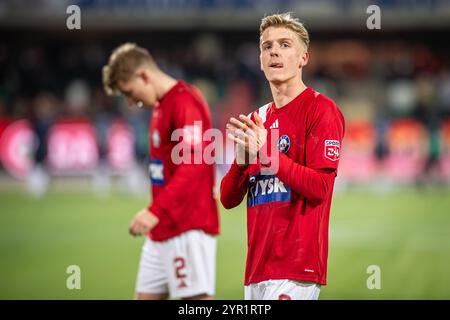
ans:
(325, 135)
(187, 117)
(315, 180)
(234, 186)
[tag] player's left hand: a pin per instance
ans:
(142, 223)
(249, 135)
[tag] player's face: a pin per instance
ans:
(282, 55)
(139, 91)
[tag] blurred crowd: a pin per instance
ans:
(375, 81)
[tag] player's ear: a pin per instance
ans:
(304, 59)
(144, 76)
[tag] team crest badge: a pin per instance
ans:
(156, 140)
(332, 149)
(284, 143)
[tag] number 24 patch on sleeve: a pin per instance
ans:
(332, 149)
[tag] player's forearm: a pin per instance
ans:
(312, 184)
(233, 186)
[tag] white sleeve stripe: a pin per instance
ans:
(263, 112)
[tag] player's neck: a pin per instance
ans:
(164, 84)
(285, 92)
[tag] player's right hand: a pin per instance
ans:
(142, 223)
(249, 137)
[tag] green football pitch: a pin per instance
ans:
(405, 233)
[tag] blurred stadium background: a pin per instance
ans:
(73, 161)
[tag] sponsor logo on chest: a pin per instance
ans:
(267, 188)
(156, 172)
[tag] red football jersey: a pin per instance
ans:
(288, 211)
(182, 192)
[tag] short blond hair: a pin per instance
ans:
(285, 20)
(122, 64)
